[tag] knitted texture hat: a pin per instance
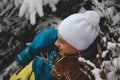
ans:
(80, 29)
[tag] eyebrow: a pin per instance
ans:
(61, 39)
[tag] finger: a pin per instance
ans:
(23, 8)
(39, 8)
(33, 18)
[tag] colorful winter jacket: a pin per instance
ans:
(43, 59)
(44, 39)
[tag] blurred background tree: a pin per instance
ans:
(18, 27)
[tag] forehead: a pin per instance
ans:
(62, 40)
(60, 37)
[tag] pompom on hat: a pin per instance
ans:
(80, 29)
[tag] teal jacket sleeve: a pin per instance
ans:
(43, 39)
(42, 68)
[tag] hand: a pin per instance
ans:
(45, 38)
(30, 8)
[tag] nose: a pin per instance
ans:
(57, 43)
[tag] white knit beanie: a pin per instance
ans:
(81, 29)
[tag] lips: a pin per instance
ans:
(60, 50)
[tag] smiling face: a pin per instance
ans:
(64, 47)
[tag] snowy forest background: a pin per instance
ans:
(17, 32)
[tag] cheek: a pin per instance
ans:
(70, 50)
(65, 49)
(62, 50)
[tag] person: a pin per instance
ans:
(56, 53)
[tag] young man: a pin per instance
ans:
(76, 37)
